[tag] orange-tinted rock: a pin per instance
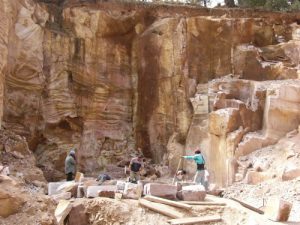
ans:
(108, 78)
(224, 121)
(10, 199)
(78, 215)
(278, 209)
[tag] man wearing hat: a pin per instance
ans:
(70, 165)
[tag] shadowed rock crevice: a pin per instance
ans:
(108, 78)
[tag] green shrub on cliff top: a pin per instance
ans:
(295, 5)
(277, 5)
(274, 5)
(252, 3)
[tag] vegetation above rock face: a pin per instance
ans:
(274, 5)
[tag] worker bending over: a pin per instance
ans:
(135, 166)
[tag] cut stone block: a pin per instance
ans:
(69, 186)
(197, 187)
(193, 193)
(62, 211)
(108, 191)
(121, 185)
(161, 190)
(61, 196)
(93, 191)
(52, 187)
(224, 121)
(90, 182)
(81, 191)
(133, 191)
(278, 209)
(254, 177)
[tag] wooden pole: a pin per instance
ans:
(248, 206)
(162, 209)
(204, 203)
(167, 202)
(177, 170)
(195, 220)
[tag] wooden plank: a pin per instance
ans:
(167, 202)
(248, 206)
(204, 203)
(160, 208)
(192, 220)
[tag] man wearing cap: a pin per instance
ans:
(200, 162)
(70, 165)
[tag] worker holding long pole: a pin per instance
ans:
(200, 162)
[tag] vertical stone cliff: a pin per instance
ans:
(109, 78)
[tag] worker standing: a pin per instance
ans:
(135, 166)
(70, 166)
(199, 160)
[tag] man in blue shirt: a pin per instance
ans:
(199, 160)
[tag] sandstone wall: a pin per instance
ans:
(108, 78)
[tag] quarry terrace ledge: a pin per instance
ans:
(170, 8)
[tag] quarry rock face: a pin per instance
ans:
(108, 79)
(11, 201)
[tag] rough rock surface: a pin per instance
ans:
(247, 116)
(107, 78)
(11, 201)
(22, 194)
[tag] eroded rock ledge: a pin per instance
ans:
(108, 78)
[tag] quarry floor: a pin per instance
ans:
(23, 195)
(39, 209)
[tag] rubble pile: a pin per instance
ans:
(114, 80)
(22, 185)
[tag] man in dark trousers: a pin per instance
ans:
(102, 178)
(70, 165)
(135, 166)
(200, 162)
